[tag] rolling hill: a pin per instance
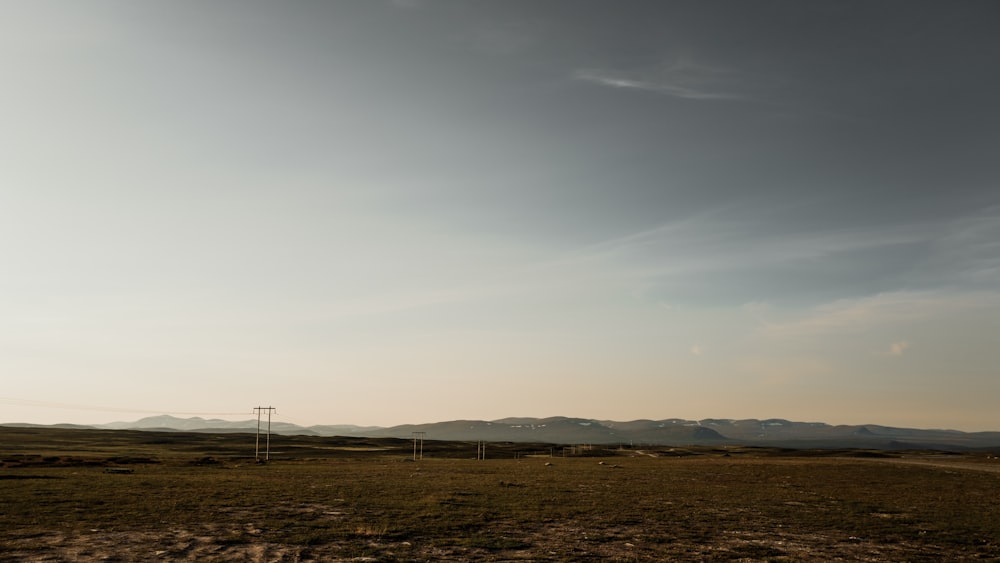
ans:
(564, 430)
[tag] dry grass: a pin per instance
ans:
(754, 506)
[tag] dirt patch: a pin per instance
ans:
(551, 542)
(169, 545)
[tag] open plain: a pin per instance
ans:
(147, 496)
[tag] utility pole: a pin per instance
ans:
(267, 450)
(418, 436)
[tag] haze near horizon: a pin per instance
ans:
(389, 212)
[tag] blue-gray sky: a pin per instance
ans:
(379, 212)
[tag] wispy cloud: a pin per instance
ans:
(851, 314)
(683, 79)
(699, 257)
(717, 242)
(970, 247)
(884, 309)
(710, 247)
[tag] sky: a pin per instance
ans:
(383, 212)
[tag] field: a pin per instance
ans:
(69, 495)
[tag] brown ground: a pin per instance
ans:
(358, 504)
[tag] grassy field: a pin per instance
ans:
(201, 497)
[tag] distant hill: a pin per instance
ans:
(558, 430)
(198, 424)
(679, 432)
(564, 430)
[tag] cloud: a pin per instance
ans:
(697, 350)
(884, 309)
(726, 237)
(697, 258)
(683, 79)
(606, 79)
(969, 248)
(721, 242)
(846, 315)
(897, 348)
(617, 80)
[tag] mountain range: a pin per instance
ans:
(564, 430)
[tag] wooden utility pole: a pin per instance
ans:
(418, 436)
(267, 450)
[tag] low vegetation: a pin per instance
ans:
(202, 497)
